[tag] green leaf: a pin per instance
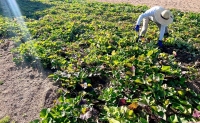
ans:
(61, 99)
(154, 108)
(150, 53)
(113, 53)
(166, 68)
(141, 58)
(198, 107)
(138, 80)
(47, 120)
(44, 113)
(116, 62)
(188, 111)
(128, 65)
(130, 112)
(112, 120)
(184, 102)
(123, 109)
(142, 120)
(173, 119)
(162, 114)
(181, 108)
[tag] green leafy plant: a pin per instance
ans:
(107, 76)
(5, 119)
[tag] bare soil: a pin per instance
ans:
(183, 5)
(24, 91)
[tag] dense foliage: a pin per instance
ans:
(105, 75)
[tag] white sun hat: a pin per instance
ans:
(163, 16)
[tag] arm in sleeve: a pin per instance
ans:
(162, 31)
(143, 15)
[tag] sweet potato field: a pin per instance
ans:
(104, 75)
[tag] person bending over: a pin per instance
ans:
(161, 16)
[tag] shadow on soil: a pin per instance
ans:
(187, 59)
(183, 55)
(27, 7)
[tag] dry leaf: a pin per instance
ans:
(133, 105)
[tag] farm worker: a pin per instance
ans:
(162, 17)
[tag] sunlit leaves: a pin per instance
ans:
(44, 113)
(173, 119)
(112, 120)
(166, 68)
(141, 58)
(139, 81)
(119, 114)
(150, 52)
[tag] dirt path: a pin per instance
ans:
(23, 90)
(183, 5)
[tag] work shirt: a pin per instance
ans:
(150, 13)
